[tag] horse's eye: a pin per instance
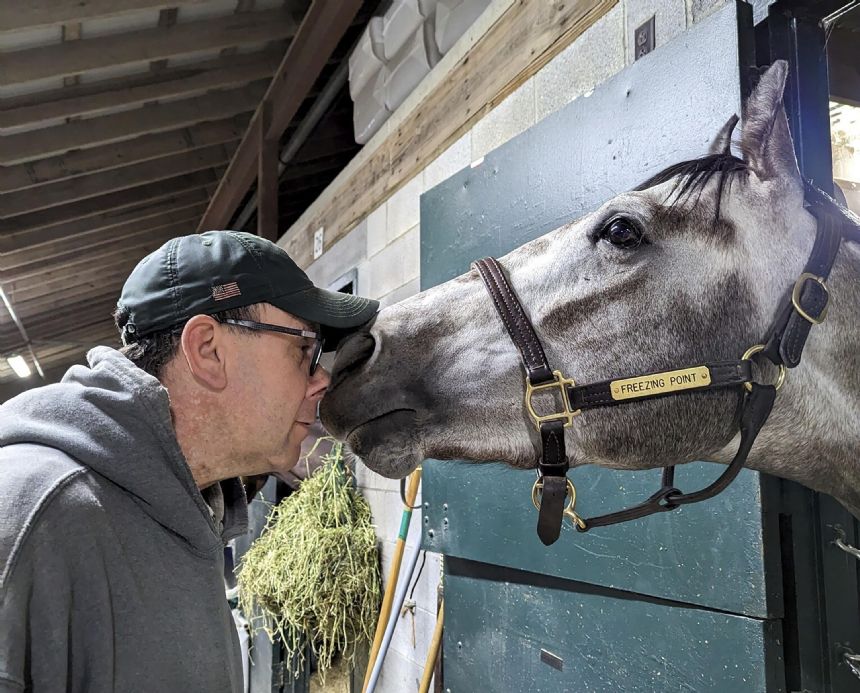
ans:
(622, 233)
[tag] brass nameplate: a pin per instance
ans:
(660, 383)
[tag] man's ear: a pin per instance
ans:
(203, 349)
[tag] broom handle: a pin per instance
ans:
(430, 664)
(411, 492)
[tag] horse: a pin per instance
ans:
(693, 266)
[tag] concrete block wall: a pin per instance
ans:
(385, 250)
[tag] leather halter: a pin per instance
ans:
(805, 306)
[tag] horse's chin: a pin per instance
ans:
(388, 444)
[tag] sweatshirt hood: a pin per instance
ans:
(114, 418)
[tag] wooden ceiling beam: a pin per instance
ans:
(15, 16)
(53, 302)
(321, 30)
(96, 205)
(30, 146)
(71, 316)
(108, 157)
(100, 256)
(57, 303)
(94, 184)
(31, 258)
(168, 208)
(54, 284)
(61, 60)
(52, 326)
(135, 90)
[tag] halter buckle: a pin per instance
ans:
(561, 383)
(795, 298)
(569, 511)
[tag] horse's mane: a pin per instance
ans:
(693, 175)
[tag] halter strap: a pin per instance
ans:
(809, 299)
(658, 384)
(756, 409)
(553, 462)
(805, 307)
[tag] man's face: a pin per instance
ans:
(276, 397)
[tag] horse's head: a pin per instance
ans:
(690, 267)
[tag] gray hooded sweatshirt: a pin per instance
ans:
(111, 561)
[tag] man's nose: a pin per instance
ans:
(319, 382)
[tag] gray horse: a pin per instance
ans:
(690, 267)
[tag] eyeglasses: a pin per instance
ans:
(266, 327)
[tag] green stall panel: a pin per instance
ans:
(504, 634)
(711, 554)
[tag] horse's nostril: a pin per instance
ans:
(352, 353)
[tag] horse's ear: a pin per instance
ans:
(722, 143)
(766, 141)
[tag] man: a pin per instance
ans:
(119, 484)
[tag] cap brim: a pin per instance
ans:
(337, 313)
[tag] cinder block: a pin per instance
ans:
(402, 640)
(398, 675)
(403, 208)
(697, 10)
(507, 120)
(369, 479)
(591, 59)
(670, 20)
(425, 590)
(411, 288)
(377, 231)
(396, 265)
(457, 157)
(347, 253)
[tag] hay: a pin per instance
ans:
(314, 571)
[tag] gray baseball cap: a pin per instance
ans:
(219, 270)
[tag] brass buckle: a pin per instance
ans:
(560, 382)
(569, 511)
(780, 378)
(795, 297)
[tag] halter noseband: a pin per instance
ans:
(804, 307)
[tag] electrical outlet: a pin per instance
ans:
(643, 39)
(318, 242)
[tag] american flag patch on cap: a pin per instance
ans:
(225, 291)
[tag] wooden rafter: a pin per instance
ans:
(104, 182)
(135, 90)
(107, 157)
(97, 205)
(15, 16)
(54, 284)
(84, 243)
(99, 255)
(61, 60)
(106, 221)
(321, 30)
(29, 146)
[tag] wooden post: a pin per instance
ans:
(267, 178)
